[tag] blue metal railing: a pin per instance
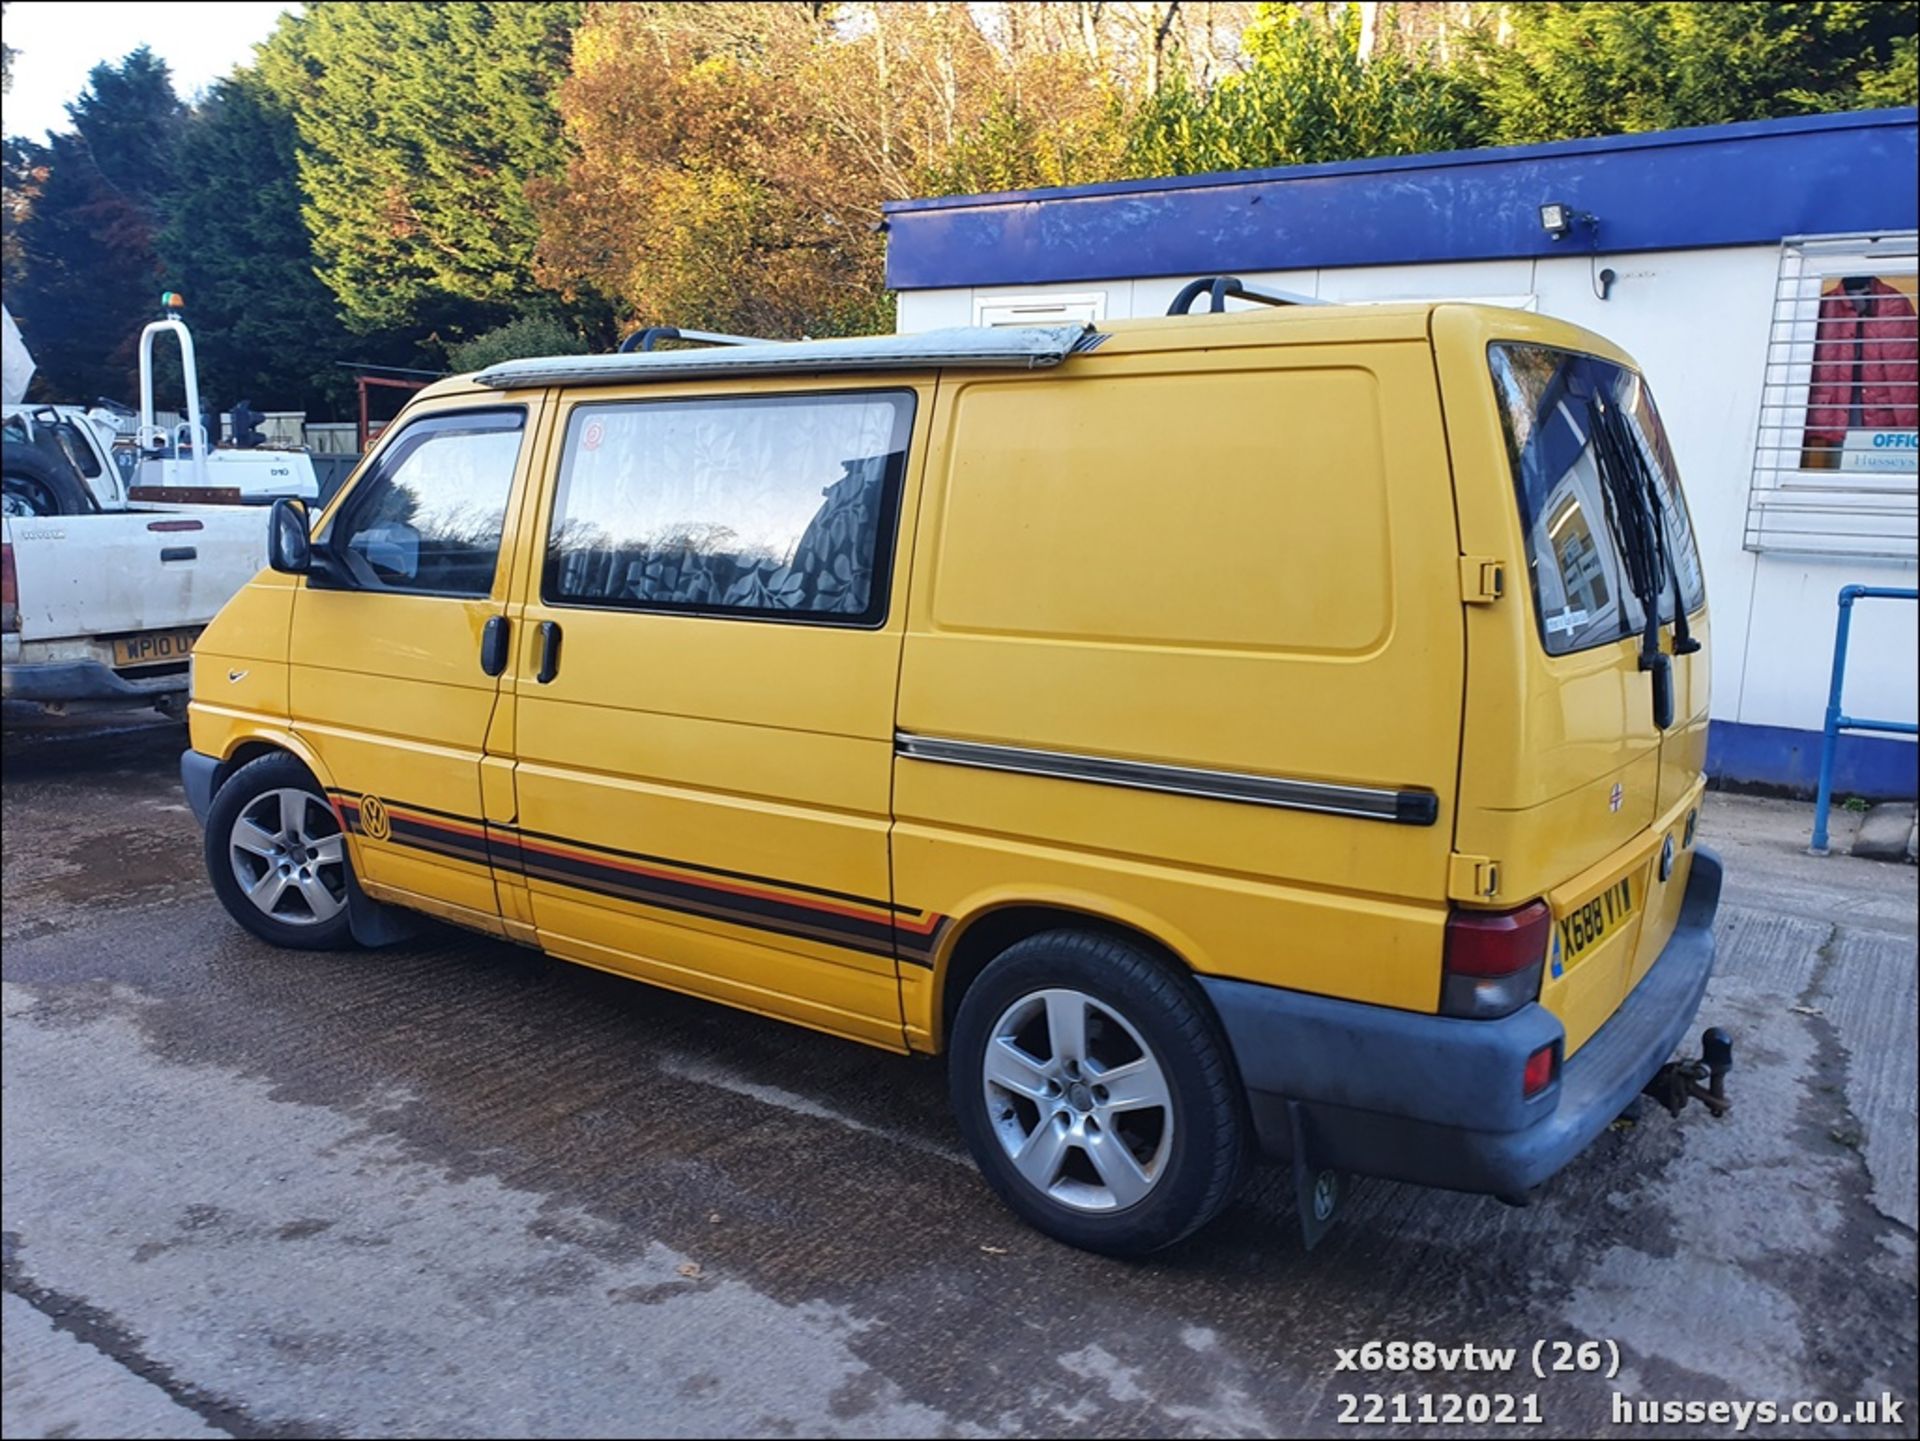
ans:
(1838, 720)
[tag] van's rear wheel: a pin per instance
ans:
(1094, 1089)
(276, 856)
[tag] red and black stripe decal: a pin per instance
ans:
(917, 935)
(838, 918)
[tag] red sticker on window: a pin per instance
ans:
(591, 437)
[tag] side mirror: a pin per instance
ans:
(289, 545)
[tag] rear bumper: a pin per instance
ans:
(54, 682)
(1437, 1101)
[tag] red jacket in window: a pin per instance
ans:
(1883, 337)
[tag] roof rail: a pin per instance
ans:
(644, 340)
(973, 347)
(1222, 286)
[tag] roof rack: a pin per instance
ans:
(1221, 286)
(1016, 347)
(645, 340)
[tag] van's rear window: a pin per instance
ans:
(1575, 494)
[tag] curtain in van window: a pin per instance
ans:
(760, 505)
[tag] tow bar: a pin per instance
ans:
(1677, 1082)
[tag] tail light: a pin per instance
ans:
(1538, 1074)
(9, 591)
(1494, 960)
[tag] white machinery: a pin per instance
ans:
(183, 459)
(19, 364)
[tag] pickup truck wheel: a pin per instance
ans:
(24, 498)
(1096, 1093)
(32, 485)
(277, 857)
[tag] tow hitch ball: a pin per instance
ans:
(1677, 1082)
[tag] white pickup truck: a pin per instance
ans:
(101, 597)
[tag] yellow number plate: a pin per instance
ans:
(1588, 924)
(154, 648)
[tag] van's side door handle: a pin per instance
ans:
(493, 645)
(549, 652)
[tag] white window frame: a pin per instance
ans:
(1822, 512)
(1090, 307)
(1529, 301)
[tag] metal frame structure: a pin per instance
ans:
(1837, 719)
(1219, 287)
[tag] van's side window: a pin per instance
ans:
(770, 506)
(428, 521)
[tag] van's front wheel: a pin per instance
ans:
(1094, 1089)
(276, 856)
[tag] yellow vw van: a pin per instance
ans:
(1274, 732)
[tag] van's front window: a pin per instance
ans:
(1585, 440)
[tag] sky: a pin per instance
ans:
(60, 41)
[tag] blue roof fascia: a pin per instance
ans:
(1749, 183)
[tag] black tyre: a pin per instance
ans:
(33, 485)
(276, 856)
(1097, 1093)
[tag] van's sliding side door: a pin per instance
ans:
(707, 644)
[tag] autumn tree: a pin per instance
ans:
(23, 171)
(730, 162)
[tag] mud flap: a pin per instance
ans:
(1318, 1191)
(373, 923)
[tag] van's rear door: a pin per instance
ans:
(1561, 767)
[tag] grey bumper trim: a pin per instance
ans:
(1375, 803)
(1437, 1101)
(71, 680)
(197, 775)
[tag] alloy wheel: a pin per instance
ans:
(1078, 1100)
(289, 857)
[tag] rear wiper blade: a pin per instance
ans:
(1626, 507)
(1637, 525)
(1639, 476)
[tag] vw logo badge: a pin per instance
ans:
(373, 818)
(1666, 859)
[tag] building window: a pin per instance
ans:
(1838, 452)
(1090, 309)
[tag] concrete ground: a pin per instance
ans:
(453, 1189)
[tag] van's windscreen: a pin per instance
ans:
(1591, 465)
